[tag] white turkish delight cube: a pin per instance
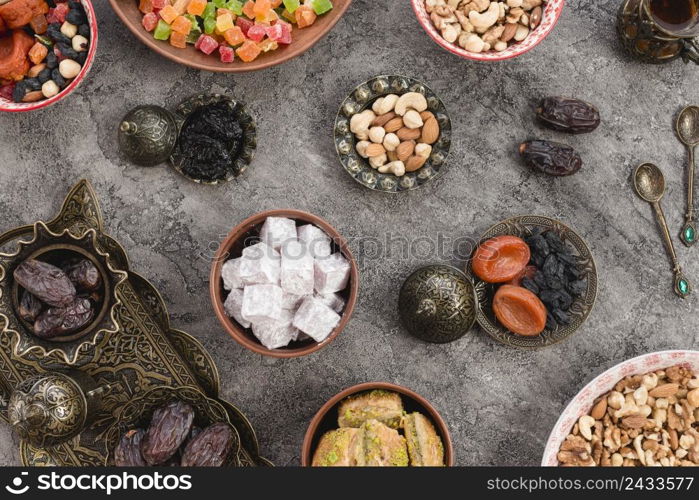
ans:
(316, 240)
(333, 301)
(274, 334)
(230, 273)
(332, 274)
(262, 302)
(260, 265)
(316, 319)
(297, 272)
(234, 307)
(291, 302)
(277, 230)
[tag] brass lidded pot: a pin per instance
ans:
(147, 135)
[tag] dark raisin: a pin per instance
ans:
(44, 75)
(76, 17)
(58, 78)
(82, 58)
(568, 115)
(32, 84)
(530, 285)
(54, 33)
(561, 317)
(84, 30)
(51, 60)
(577, 288)
(551, 322)
(19, 91)
(67, 50)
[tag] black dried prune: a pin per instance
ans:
(168, 429)
(568, 115)
(552, 158)
(210, 448)
(29, 307)
(47, 282)
(60, 321)
(83, 274)
(128, 451)
(530, 285)
(561, 317)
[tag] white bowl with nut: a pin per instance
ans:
(392, 134)
(642, 412)
(488, 30)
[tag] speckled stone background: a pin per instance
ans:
(500, 403)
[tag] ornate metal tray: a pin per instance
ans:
(141, 353)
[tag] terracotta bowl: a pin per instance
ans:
(549, 19)
(232, 247)
(19, 107)
(303, 39)
(326, 418)
(583, 401)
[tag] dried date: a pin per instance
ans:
(552, 158)
(83, 274)
(29, 307)
(128, 451)
(60, 321)
(168, 429)
(46, 282)
(568, 115)
(209, 448)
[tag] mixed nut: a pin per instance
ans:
(483, 25)
(396, 134)
(648, 419)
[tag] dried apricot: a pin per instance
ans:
(501, 259)
(519, 310)
(527, 272)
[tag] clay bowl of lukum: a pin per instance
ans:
(247, 233)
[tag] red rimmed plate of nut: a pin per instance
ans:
(485, 30)
(393, 134)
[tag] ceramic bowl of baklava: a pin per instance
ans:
(377, 424)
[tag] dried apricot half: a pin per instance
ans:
(501, 259)
(519, 310)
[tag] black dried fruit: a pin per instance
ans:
(168, 429)
(47, 282)
(32, 83)
(51, 60)
(84, 30)
(44, 75)
(531, 286)
(206, 158)
(76, 17)
(210, 448)
(54, 33)
(83, 274)
(58, 78)
(19, 91)
(67, 50)
(568, 115)
(552, 158)
(128, 451)
(29, 307)
(61, 321)
(561, 317)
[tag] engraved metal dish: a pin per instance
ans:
(362, 98)
(579, 310)
(241, 162)
(138, 412)
(147, 135)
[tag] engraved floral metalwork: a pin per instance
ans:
(147, 135)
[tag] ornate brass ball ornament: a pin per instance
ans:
(147, 135)
(646, 40)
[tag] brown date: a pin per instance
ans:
(209, 448)
(46, 282)
(60, 321)
(83, 274)
(552, 158)
(568, 115)
(128, 451)
(168, 429)
(29, 307)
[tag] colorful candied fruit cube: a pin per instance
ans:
(267, 45)
(180, 6)
(249, 9)
(209, 25)
(321, 6)
(168, 14)
(145, 6)
(209, 11)
(291, 5)
(235, 6)
(256, 33)
(261, 7)
(288, 16)
(196, 7)
(38, 53)
(162, 31)
(39, 24)
(269, 18)
(6, 91)
(248, 51)
(244, 24)
(234, 36)
(227, 54)
(276, 3)
(178, 40)
(207, 44)
(150, 21)
(58, 14)
(280, 33)
(160, 4)
(224, 22)
(181, 25)
(305, 16)
(219, 4)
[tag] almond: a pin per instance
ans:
(430, 131)
(405, 150)
(674, 440)
(380, 121)
(634, 422)
(599, 410)
(34, 96)
(509, 32)
(414, 162)
(393, 125)
(426, 115)
(408, 134)
(664, 391)
(35, 70)
(374, 150)
(392, 156)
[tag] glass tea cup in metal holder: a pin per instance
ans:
(660, 31)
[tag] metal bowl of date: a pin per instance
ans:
(586, 274)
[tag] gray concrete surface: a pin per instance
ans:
(500, 404)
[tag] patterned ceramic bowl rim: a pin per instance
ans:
(582, 402)
(552, 12)
(434, 416)
(19, 107)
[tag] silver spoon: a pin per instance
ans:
(687, 128)
(649, 183)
